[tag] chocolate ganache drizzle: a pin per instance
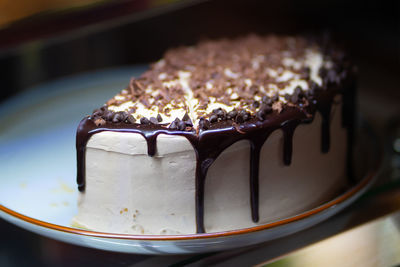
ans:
(219, 129)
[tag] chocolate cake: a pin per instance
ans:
(223, 135)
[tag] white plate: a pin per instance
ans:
(37, 183)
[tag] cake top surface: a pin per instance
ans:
(236, 80)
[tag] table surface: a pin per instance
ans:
(364, 234)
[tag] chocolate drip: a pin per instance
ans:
(82, 136)
(151, 139)
(209, 144)
(255, 150)
(201, 172)
(288, 130)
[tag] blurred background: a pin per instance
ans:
(44, 40)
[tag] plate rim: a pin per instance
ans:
(353, 190)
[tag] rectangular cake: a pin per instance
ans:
(224, 135)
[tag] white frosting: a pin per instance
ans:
(231, 74)
(314, 61)
(286, 76)
(290, 62)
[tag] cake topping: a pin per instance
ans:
(225, 80)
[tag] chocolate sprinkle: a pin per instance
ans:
(144, 121)
(108, 115)
(232, 114)
(131, 119)
(153, 120)
(186, 117)
(264, 110)
(213, 118)
(181, 126)
(173, 126)
(204, 124)
(116, 118)
(97, 113)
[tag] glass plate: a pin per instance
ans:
(38, 165)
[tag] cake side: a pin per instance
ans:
(129, 192)
(284, 191)
(138, 194)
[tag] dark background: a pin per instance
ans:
(369, 29)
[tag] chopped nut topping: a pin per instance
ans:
(225, 80)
